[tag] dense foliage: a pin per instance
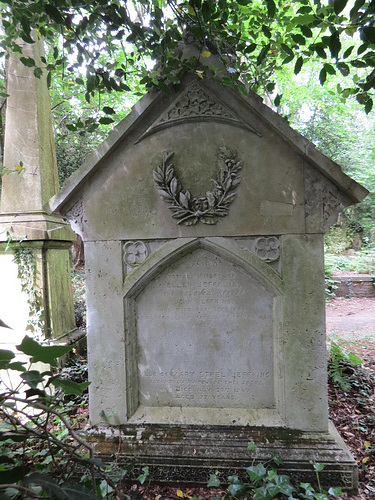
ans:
(101, 44)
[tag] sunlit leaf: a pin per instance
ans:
(32, 378)
(70, 387)
(46, 354)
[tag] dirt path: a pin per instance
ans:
(353, 321)
(351, 317)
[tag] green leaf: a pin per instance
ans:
(164, 88)
(348, 52)
(250, 48)
(298, 65)
(305, 20)
(236, 486)
(262, 54)
(46, 354)
(5, 357)
(299, 39)
(105, 120)
(368, 107)
(261, 494)
(12, 436)
(18, 366)
(318, 467)
(2, 324)
(38, 72)
(54, 13)
(354, 11)
(271, 8)
(277, 100)
(355, 360)
(320, 51)
(49, 79)
(343, 68)
(276, 458)
(256, 472)
(306, 31)
(335, 492)
(214, 481)
(91, 83)
(330, 69)
(35, 392)
(109, 111)
(13, 475)
(339, 5)
(70, 387)
(251, 446)
(52, 488)
(334, 44)
(142, 477)
(27, 38)
(368, 34)
(322, 76)
(78, 492)
(266, 31)
(32, 378)
(28, 61)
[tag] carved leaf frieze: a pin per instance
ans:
(197, 103)
(331, 206)
(75, 213)
(207, 209)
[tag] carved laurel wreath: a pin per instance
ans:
(206, 209)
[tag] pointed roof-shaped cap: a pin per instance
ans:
(198, 117)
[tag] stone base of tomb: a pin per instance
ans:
(178, 454)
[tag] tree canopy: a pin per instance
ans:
(102, 44)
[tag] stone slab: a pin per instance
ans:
(189, 454)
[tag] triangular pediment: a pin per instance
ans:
(201, 103)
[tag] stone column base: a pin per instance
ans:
(188, 454)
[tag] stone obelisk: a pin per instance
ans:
(26, 230)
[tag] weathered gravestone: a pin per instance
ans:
(203, 217)
(35, 289)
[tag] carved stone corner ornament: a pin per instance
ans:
(267, 248)
(331, 207)
(75, 213)
(206, 209)
(135, 252)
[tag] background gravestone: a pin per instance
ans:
(203, 217)
(30, 179)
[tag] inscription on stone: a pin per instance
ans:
(205, 335)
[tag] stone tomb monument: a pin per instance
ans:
(203, 216)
